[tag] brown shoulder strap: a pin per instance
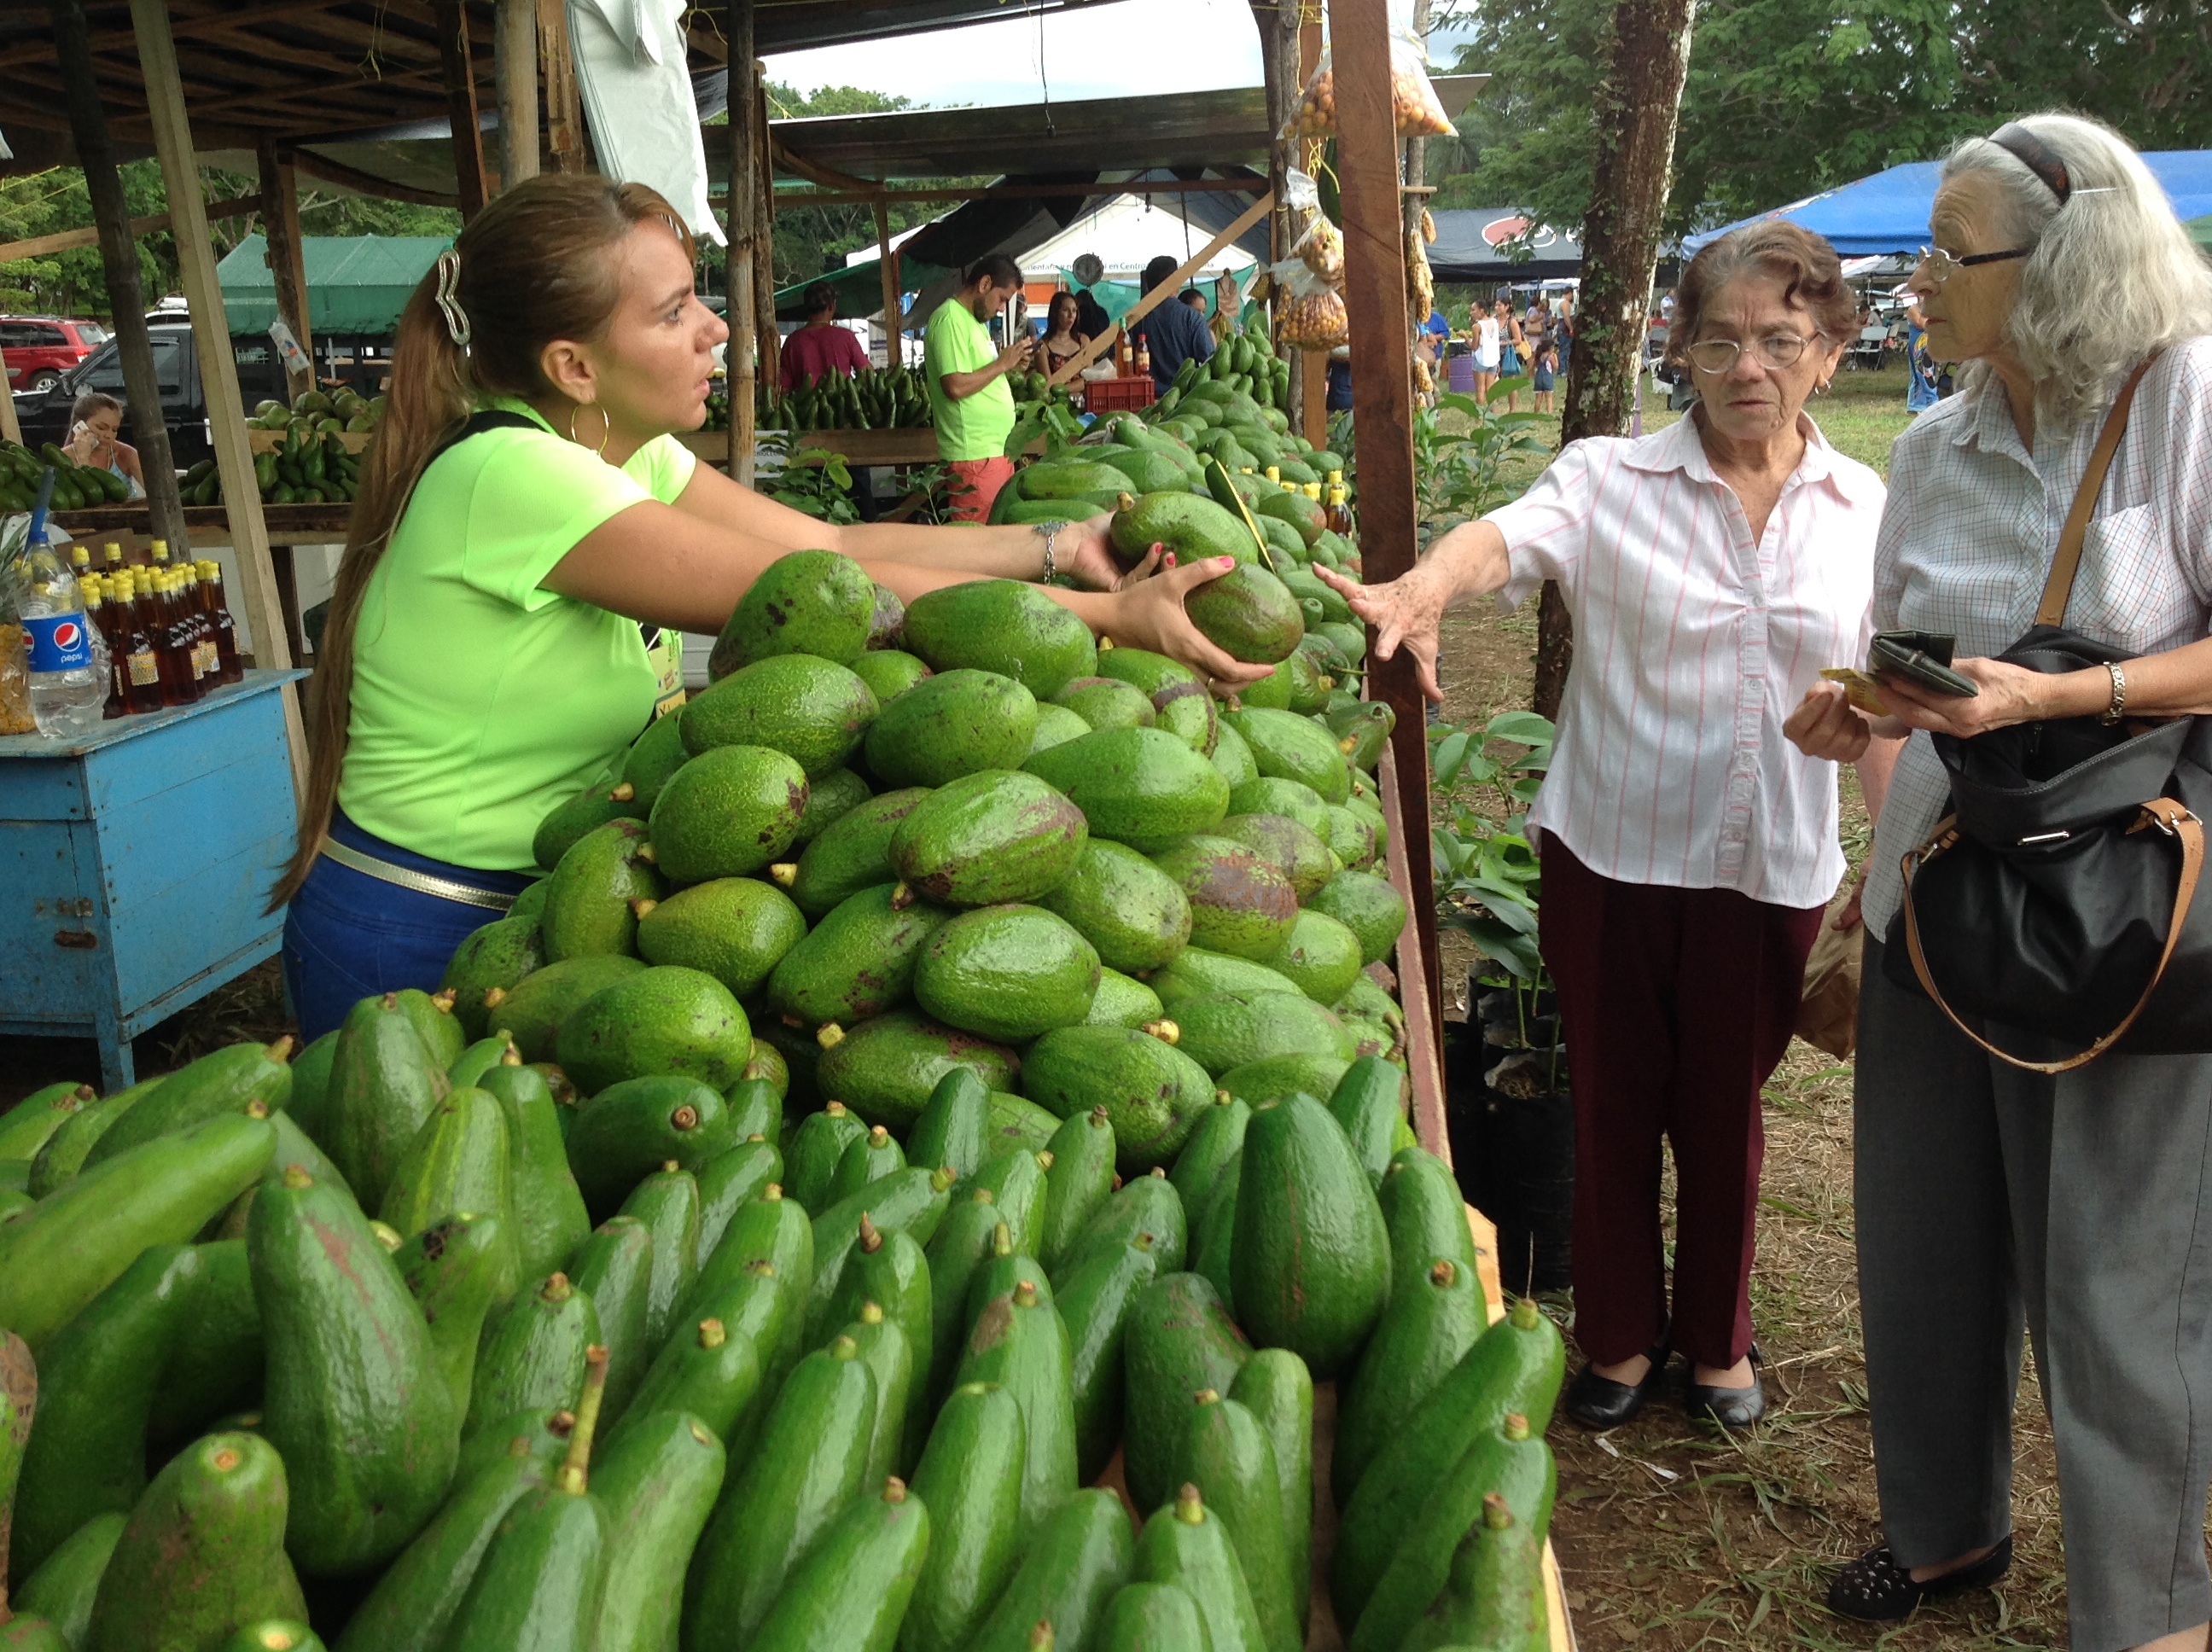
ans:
(2060, 586)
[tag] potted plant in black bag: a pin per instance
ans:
(1507, 1102)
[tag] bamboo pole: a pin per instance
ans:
(515, 64)
(285, 256)
(887, 270)
(226, 405)
(743, 207)
(763, 239)
(459, 71)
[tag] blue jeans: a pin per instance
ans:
(349, 936)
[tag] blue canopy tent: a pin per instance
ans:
(1889, 212)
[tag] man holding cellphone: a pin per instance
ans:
(971, 402)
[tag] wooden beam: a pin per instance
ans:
(461, 106)
(887, 271)
(514, 66)
(556, 71)
(286, 257)
(63, 240)
(763, 237)
(119, 260)
(1417, 959)
(1382, 410)
(1313, 395)
(868, 194)
(1167, 289)
(226, 405)
(184, 28)
(744, 207)
(364, 183)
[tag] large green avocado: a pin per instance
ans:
(1003, 626)
(1007, 972)
(1141, 786)
(852, 852)
(993, 836)
(858, 961)
(1286, 746)
(813, 710)
(811, 602)
(1222, 1031)
(1152, 1092)
(1291, 847)
(727, 812)
(957, 722)
(736, 929)
(1250, 614)
(1134, 914)
(1187, 524)
(886, 1068)
(1107, 702)
(1368, 907)
(588, 899)
(665, 1020)
(1240, 904)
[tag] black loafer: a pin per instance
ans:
(1874, 1589)
(1599, 1403)
(1732, 1408)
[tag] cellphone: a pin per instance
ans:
(1922, 659)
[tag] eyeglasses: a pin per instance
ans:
(1941, 266)
(1776, 350)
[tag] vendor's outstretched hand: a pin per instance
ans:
(1151, 616)
(1406, 612)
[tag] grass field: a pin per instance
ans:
(1673, 1537)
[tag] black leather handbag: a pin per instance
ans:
(2058, 897)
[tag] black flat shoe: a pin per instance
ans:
(1732, 1408)
(1599, 1403)
(1874, 1589)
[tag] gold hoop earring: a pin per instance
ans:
(606, 427)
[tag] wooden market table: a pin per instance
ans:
(136, 862)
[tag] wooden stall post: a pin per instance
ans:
(763, 239)
(8, 427)
(744, 209)
(226, 405)
(887, 271)
(1382, 407)
(515, 65)
(285, 255)
(1309, 368)
(119, 259)
(458, 69)
(564, 106)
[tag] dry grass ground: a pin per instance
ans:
(1670, 1536)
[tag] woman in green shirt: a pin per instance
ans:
(526, 519)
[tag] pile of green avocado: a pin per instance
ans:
(933, 1084)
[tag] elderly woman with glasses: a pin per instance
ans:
(1712, 568)
(2079, 1202)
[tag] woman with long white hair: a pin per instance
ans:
(1990, 1196)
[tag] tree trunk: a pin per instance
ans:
(1637, 105)
(118, 259)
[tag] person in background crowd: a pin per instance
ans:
(1712, 568)
(1228, 306)
(1169, 331)
(1920, 368)
(1339, 397)
(95, 425)
(1563, 328)
(820, 347)
(1196, 300)
(1486, 340)
(1544, 370)
(1512, 348)
(970, 400)
(1063, 331)
(1990, 1197)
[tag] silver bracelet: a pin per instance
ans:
(2118, 707)
(1049, 533)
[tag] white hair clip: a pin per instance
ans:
(449, 303)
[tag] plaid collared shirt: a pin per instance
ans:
(1692, 644)
(1973, 526)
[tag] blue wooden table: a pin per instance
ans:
(135, 864)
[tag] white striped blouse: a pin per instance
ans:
(1692, 644)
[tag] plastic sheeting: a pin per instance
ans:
(355, 283)
(638, 102)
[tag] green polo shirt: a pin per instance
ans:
(480, 700)
(974, 427)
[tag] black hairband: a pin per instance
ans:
(2032, 152)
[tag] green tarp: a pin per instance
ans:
(355, 283)
(860, 289)
(2200, 230)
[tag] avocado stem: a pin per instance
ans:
(574, 1473)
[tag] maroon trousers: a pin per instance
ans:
(1676, 1004)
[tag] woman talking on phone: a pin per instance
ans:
(526, 517)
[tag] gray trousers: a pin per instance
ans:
(2084, 1204)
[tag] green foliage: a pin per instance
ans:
(1487, 875)
(1789, 97)
(812, 480)
(1458, 463)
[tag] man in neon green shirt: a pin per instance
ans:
(971, 403)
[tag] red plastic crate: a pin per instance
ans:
(1120, 395)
